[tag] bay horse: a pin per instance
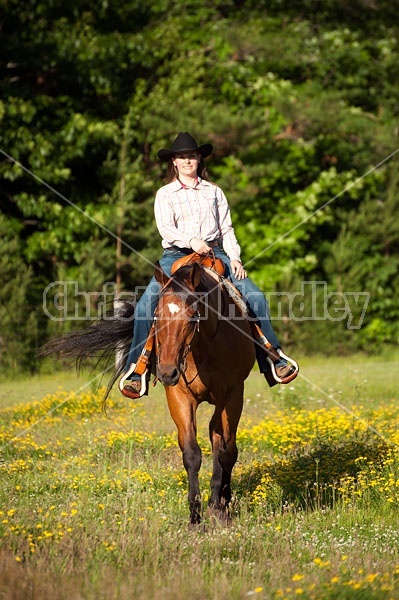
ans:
(204, 351)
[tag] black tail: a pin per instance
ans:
(100, 341)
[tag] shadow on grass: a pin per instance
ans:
(310, 476)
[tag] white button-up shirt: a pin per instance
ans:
(182, 213)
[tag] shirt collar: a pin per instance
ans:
(180, 186)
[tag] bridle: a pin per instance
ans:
(195, 320)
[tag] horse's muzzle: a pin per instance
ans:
(168, 374)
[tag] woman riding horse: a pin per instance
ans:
(201, 328)
(192, 215)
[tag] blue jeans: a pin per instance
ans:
(147, 304)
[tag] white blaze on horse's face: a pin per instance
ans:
(173, 308)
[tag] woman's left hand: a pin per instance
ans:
(237, 269)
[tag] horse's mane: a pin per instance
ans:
(178, 284)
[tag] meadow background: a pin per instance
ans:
(94, 506)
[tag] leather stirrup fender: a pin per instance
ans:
(144, 359)
(142, 366)
(273, 354)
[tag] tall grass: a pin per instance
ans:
(94, 507)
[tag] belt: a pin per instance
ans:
(212, 244)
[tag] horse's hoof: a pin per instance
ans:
(195, 520)
(199, 527)
(219, 515)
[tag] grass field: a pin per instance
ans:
(94, 506)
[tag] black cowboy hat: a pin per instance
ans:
(185, 143)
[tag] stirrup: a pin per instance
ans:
(128, 373)
(290, 361)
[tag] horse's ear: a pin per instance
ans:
(191, 275)
(160, 274)
(195, 275)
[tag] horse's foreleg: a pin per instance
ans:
(192, 463)
(184, 416)
(222, 431)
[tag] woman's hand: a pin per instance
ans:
(199, 246)
(237, 269)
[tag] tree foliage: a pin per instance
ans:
(300, 100)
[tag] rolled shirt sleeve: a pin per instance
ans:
(228, 236)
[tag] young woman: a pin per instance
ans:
(192, 215)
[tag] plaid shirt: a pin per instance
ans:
(182, 213)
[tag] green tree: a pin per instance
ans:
(19, 302)
(300, 99)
